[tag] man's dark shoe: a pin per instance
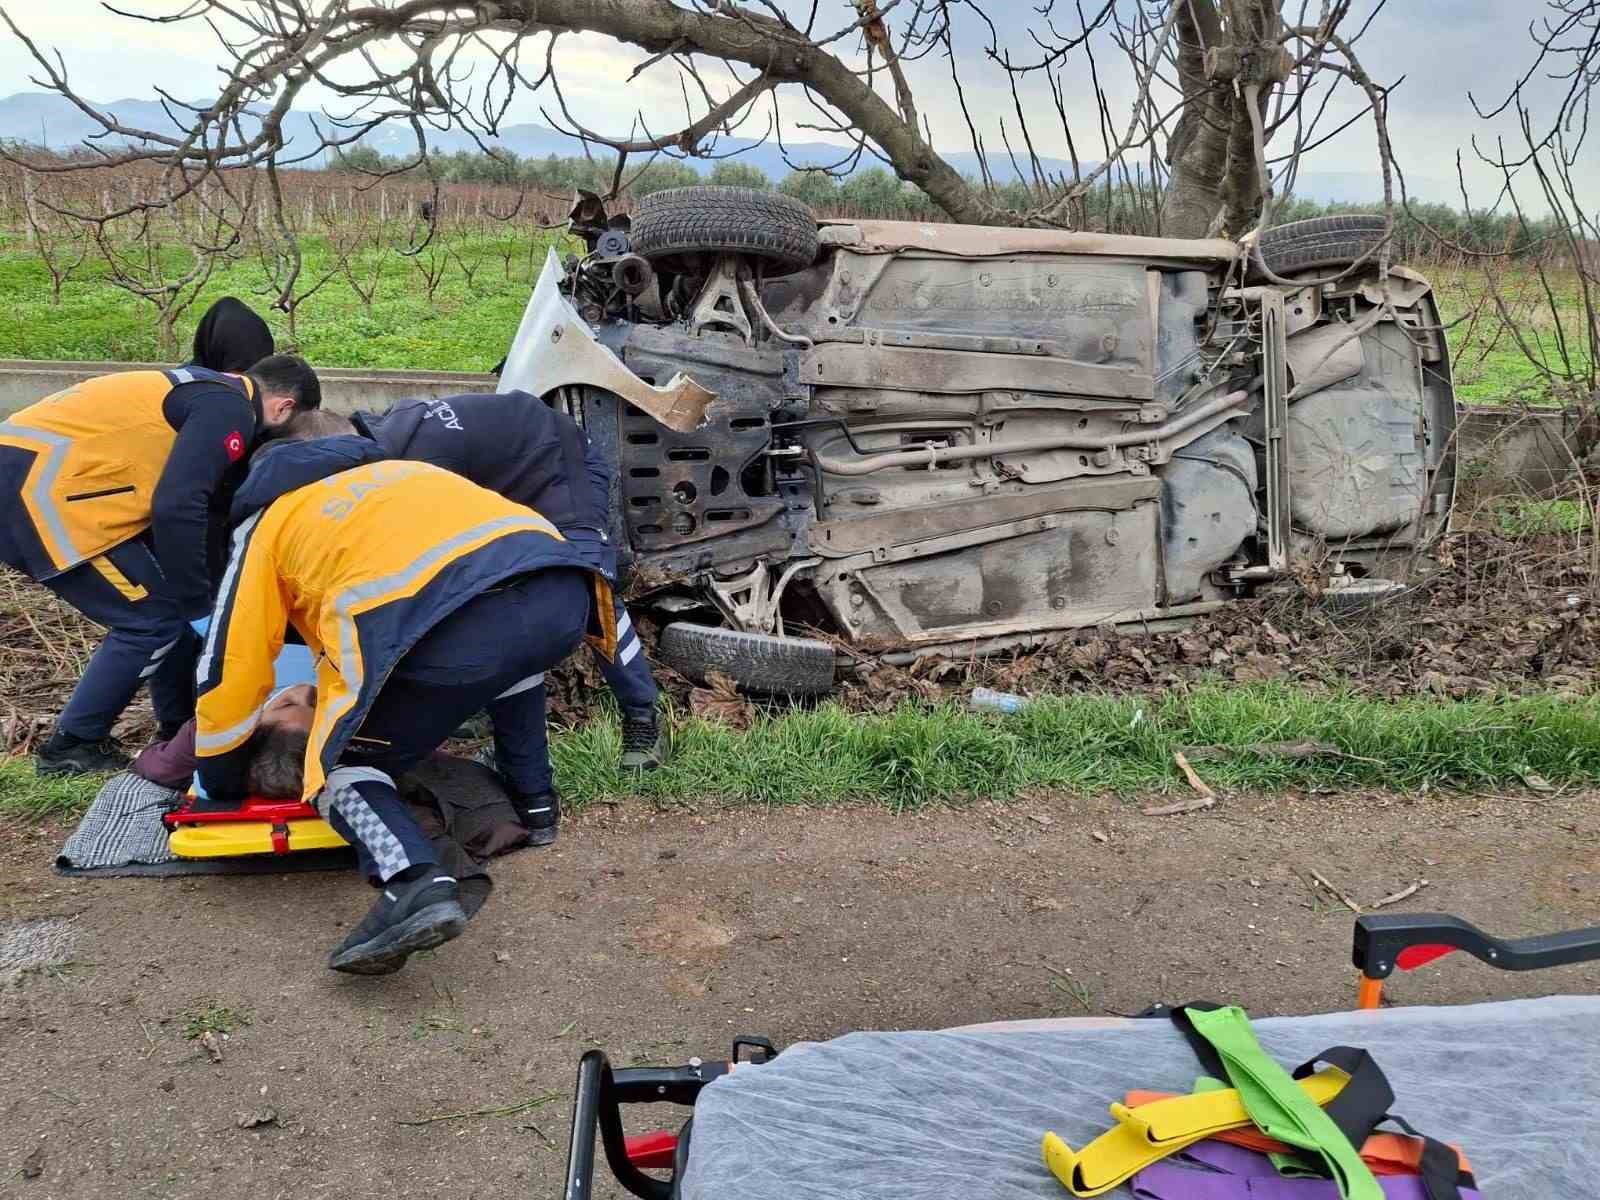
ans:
(541, 815)
(168, 730)
(643, 744)
(408, 916)
(64, 754)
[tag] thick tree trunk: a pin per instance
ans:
(1198, 171)
(1215, 182)
(1197, 154)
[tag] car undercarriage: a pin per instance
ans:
(919, 438)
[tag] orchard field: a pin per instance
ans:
(376, 286)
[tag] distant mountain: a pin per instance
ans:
(44, 118)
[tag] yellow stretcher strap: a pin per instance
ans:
(1151, 1132)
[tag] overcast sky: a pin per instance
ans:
(1443, 48)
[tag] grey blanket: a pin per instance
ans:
(958, 1115)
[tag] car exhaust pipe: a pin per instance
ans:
(933, 456)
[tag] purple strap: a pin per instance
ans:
(1229, 1159)
(1240, 1174)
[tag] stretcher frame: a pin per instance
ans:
(258, 826)
(1383, 943)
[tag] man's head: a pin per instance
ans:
(278, 746)
(231, 336)
(318, 423)
(285, 385)
(277, 769)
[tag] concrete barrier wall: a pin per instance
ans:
(1516, 451)
(1502, 450)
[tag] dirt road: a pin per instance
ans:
(661, 936)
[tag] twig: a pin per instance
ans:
(548, 1140)
(1077, 989)
(1402, 894)
(508, 1110)
(1301, 749)
(1195, 781)
(1183, 806)
(1333, 891)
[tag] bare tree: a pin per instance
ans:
(283, 260)
(357, 241)
(430, 263)
(61, 243)
(149, 255)
(1538, 169)
(1214, 82)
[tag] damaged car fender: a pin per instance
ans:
(554, 348)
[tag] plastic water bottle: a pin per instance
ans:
(1006, 702)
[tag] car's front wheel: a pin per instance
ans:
(756, 662)
(681, 228)
(1320, 243)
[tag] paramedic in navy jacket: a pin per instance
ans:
(514, 444)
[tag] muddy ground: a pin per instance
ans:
(659, 936)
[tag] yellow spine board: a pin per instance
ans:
(235, 839)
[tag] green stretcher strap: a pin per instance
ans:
(1151, 1132)
(1279, 1107)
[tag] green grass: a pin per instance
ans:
(211, 1016)
(460, 330)
(920, 755)
(25, 796)
(1489, 364)
(1519, 516)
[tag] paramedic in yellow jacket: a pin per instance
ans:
(426, 599)
(112, 495)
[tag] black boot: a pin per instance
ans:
(410, 915)
(168, 730)
(64, 754)
(541, 815)
(643, 747)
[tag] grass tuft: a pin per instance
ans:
(212, 1016)
(29, 797)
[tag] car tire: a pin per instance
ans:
(769, 666)
(674, 228)
(1318, 243)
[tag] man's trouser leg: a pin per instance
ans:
(522, 737)
(363, 806)
(119, 590)
(628, 675)
(474, 659)
(172, 683)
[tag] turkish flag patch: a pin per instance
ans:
(234, 445)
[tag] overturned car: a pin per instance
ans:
(916, 438)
